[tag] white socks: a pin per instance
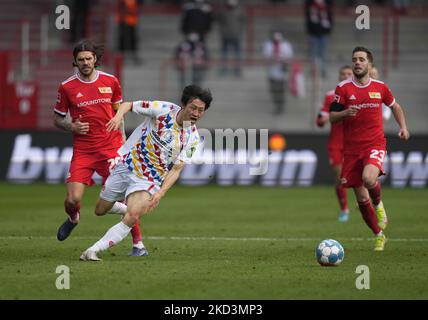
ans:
(118, 208)
(139, 245)
(113, 236)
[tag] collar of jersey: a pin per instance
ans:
(81, 80)
(360, 86)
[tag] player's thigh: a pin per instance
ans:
(138, 203)
(103, 206)
(361, 193)
(370, 174)
(352, 169)
(337, 170)
(75, 191)
(116, 184)
(373, 163)
(81, 169)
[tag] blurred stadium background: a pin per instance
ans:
(35, 57)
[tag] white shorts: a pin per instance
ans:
(122, 182)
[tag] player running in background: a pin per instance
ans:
(151, 159)
(358, 103)
(335, 144)
(90, 96)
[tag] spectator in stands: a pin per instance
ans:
(197, 17)
(401, 6)
(79, 16)
(231, 20)
(127, 19)
(278, 52)
(319, 23)
(192, 60)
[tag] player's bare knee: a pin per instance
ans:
(362, 199)
(73, 198)
(99, 210)
(131, 218)
(369, 181)
(71, 202)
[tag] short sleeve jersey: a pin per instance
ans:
(335, 139)
(158, 142)
(91, 101)
(364, 130)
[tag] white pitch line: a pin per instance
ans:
(182, 238)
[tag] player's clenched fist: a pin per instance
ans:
(404, 134)
(352, 111)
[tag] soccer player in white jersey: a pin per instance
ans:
(151, 160)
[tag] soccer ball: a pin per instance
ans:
(330, 253)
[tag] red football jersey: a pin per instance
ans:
(335, 139)
(366, 128)
(92, 100)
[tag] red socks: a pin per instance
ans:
(72, 211)
(136, 233)
(375, 193)
(343, 199)
(369, 216)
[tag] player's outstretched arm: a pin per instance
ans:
(169, 181)
(116, 121)
(398, 113)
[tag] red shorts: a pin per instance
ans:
(353, 165)
(83, 165)
(335, 156)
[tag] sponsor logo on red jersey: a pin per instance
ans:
(91, 102)
(105, 89)
(374, 95)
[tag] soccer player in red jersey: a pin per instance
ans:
(358, 103)
(335, 144)
(91, 97)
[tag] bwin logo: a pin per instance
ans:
(411, 170)
(28, 163)
(292, 167)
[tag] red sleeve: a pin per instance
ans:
(328, 99)
(388, 98)
(325, 110)
(339, 95)
(61, 106)
(117, 92)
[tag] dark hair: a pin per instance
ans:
(346, 66)
(89, 45)
(367, 51)
(196, 92)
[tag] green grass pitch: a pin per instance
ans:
(214, 242)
